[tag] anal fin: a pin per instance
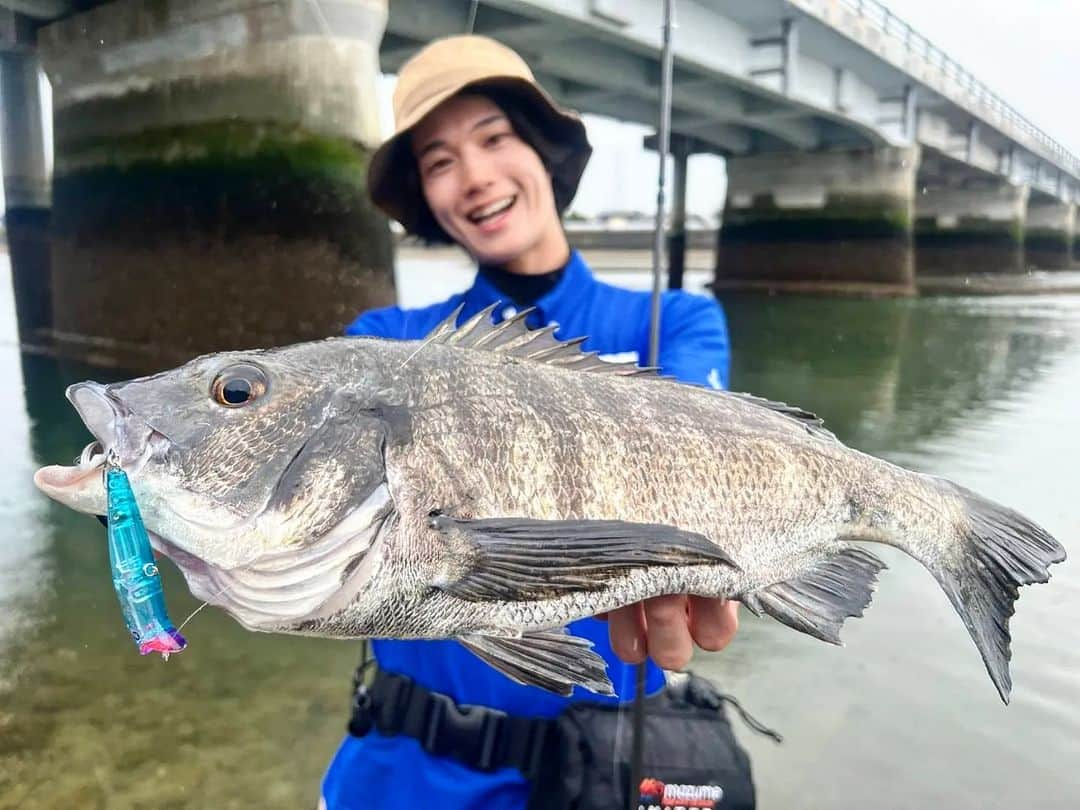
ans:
(551, 659)
(821, 597)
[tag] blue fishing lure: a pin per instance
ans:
(135, 574)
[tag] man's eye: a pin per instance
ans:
(437, 165)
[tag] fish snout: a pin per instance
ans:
(98, 411)
(121, 433)
(117, 433)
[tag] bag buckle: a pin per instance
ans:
(466, 733)
(362, 719)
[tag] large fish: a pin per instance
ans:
(492, 484)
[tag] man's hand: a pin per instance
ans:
(665, 628)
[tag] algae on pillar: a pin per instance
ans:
(1050, 233)
(969, 227)
(837, 220)
(209, 176)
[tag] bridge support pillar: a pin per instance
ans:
(676, 246)
(1050, 233)
(209, 176)
(970, 229)
(23, 136)
(837, 221)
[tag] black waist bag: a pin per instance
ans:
(689, 753)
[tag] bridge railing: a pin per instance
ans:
(879, 15)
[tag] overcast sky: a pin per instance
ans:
(1028, 51)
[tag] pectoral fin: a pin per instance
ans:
(551, 659)
(519, 559)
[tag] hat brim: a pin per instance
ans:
(393, 182)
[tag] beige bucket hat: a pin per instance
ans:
(439, 71)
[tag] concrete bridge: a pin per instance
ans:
(231, 135)
(849, 137)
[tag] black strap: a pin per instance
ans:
(481, 738)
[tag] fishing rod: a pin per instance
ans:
(658, 261)
(663, 146)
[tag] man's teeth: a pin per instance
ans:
(491, 210)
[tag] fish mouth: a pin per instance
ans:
(121, 433)
(118, 434)
(99, 411)
(280, 591)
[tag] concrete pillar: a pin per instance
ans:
(209, 175)
(680, 152)
(960, 230)
(26, 157)
(826, 220)
(1050, 233)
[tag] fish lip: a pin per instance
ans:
(128, 439)
(119, 430)
(98, 410)
(72, 486)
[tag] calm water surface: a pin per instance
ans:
(985, 391)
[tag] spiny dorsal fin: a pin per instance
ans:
(513, 337)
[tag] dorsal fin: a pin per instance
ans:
(812, 422)
(513, 337)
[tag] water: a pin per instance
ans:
(984, 391)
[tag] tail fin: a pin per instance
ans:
(1004, 550)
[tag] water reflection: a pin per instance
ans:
(889, 374)
(25, 568)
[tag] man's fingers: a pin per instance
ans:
(713, 622)
(626, 626)
(670, 645)
(666, 628)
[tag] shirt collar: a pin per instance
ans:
(572, 287)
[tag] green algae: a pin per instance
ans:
(843, 215)
(235, 147)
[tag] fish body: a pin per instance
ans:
(492, 484)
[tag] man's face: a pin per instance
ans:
(487, 188)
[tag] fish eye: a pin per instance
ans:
(239, 385)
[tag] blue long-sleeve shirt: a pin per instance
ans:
(375, 770)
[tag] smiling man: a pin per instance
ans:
(484, 158)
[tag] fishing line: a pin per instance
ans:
(200, 607)
(194, 613)
(474, 6)
(658, 257)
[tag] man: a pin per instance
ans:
(483, 157)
